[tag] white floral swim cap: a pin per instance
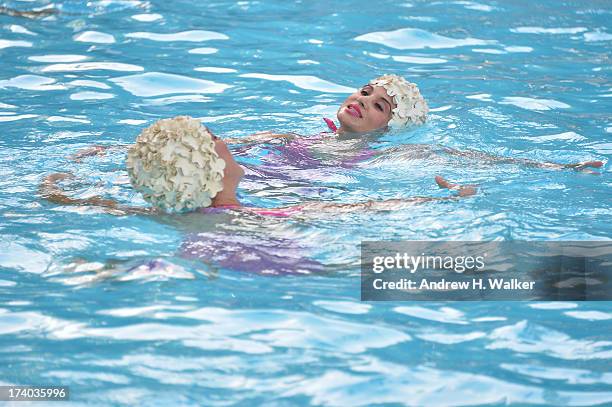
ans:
(411, 106)
(174, 164)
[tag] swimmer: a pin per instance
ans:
(196, 179)
(391, 102)
(385, 103)
(161, 165)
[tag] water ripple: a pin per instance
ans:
(415, 38)
(91, 66)
(589, 315)
(125, 314)
(89, 84)
(95, 37)
(19, 29)
(526, 337)
(91, 96)
(31, 82)
(344, 307)
(533, 103)
(597, 36)
(445, 315)
(14, 43)
(567, 375)
(203, 51)
(192, 36)
(157, 84)
(303, 82)
(57, 58)
(147, 18)
(424, 386)
(541, 30)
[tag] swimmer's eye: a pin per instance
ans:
(364, 92)
(379, 107)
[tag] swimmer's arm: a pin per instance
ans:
(395, 204)
(257, 138)
(262, 137)
(488, 158)
(95, 150)
(386, 205)
(51, 191)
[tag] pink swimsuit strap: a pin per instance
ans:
(330, 123)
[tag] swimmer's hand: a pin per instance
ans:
(462, 190)
(585, 166)
(51, 191)
(88, 152)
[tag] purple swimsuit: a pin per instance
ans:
(297, 151)
(262, 254)
(253, 254)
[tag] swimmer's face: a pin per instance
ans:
(233, 172)
(368, 109)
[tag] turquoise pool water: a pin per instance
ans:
(521, 79)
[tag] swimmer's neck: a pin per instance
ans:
(355, 134)
(225, 199)
(342, 130)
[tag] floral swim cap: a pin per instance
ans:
(175, 166)
(411, 106)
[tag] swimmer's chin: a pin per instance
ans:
(347, 128)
